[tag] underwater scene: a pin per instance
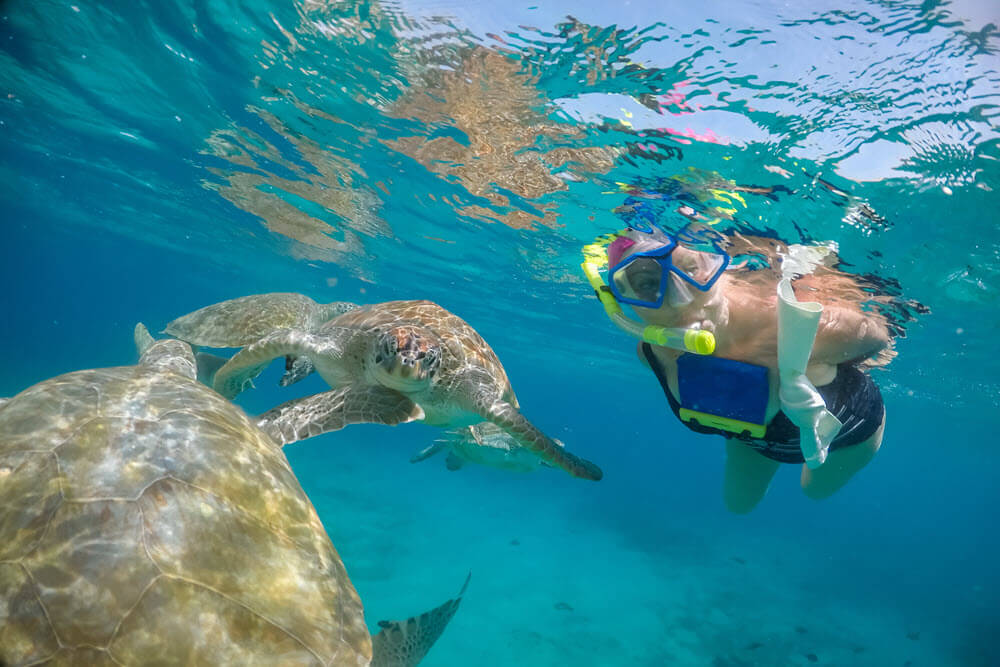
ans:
(478, 333)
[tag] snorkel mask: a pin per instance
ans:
(661, 266)
(597, 256)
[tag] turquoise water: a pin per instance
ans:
(158, 157)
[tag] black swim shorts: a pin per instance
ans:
(852, 397)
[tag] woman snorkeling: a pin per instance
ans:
(739, 355)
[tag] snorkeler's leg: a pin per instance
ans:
(748, 474)
(840, 466)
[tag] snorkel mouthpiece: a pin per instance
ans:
(697, 341)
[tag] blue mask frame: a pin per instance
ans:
(661, 256)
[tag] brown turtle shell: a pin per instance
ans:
(145, 520)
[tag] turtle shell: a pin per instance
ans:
(145, 520)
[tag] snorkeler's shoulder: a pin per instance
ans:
(847, 333)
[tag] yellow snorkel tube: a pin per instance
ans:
(687, 340)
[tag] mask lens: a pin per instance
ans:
(700, 267)
(679, 293)
(640, 280)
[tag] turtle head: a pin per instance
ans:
(164, 355)
(405, 358)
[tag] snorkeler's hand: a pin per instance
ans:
(805, 408)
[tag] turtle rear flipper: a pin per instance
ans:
(436, 447)
(453, 462)
(405, 643)
(208, 366)
(242, 321)
(509, 418)
(333, 410)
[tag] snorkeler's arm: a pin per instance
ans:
(847, 334)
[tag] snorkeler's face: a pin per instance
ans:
(654, 272)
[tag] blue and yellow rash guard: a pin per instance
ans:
(740, 394)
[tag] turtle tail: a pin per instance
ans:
(507, 417)
(405, 643)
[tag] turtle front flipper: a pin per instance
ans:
(248, 363)
(333, 410)
(405, 643)
(296, 369)
(507, 417)
(241, 321)
(454, 462)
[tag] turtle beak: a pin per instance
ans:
(405, 366)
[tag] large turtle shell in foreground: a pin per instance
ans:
(145, 519)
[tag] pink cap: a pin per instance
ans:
(617, 249)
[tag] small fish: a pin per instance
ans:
(799, 629)
(562, 606)
(737, 559)
(812, 657)
(515, 543)
(754, 646)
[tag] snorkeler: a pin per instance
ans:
(738, 355)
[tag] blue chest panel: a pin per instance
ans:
(723, 387)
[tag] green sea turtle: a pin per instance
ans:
(144, 519)
(387, 363)
(484, 443)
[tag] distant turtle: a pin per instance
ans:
(388, 363)
(246, 320)
(484, 443)
(145, 519)
(237, 322)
